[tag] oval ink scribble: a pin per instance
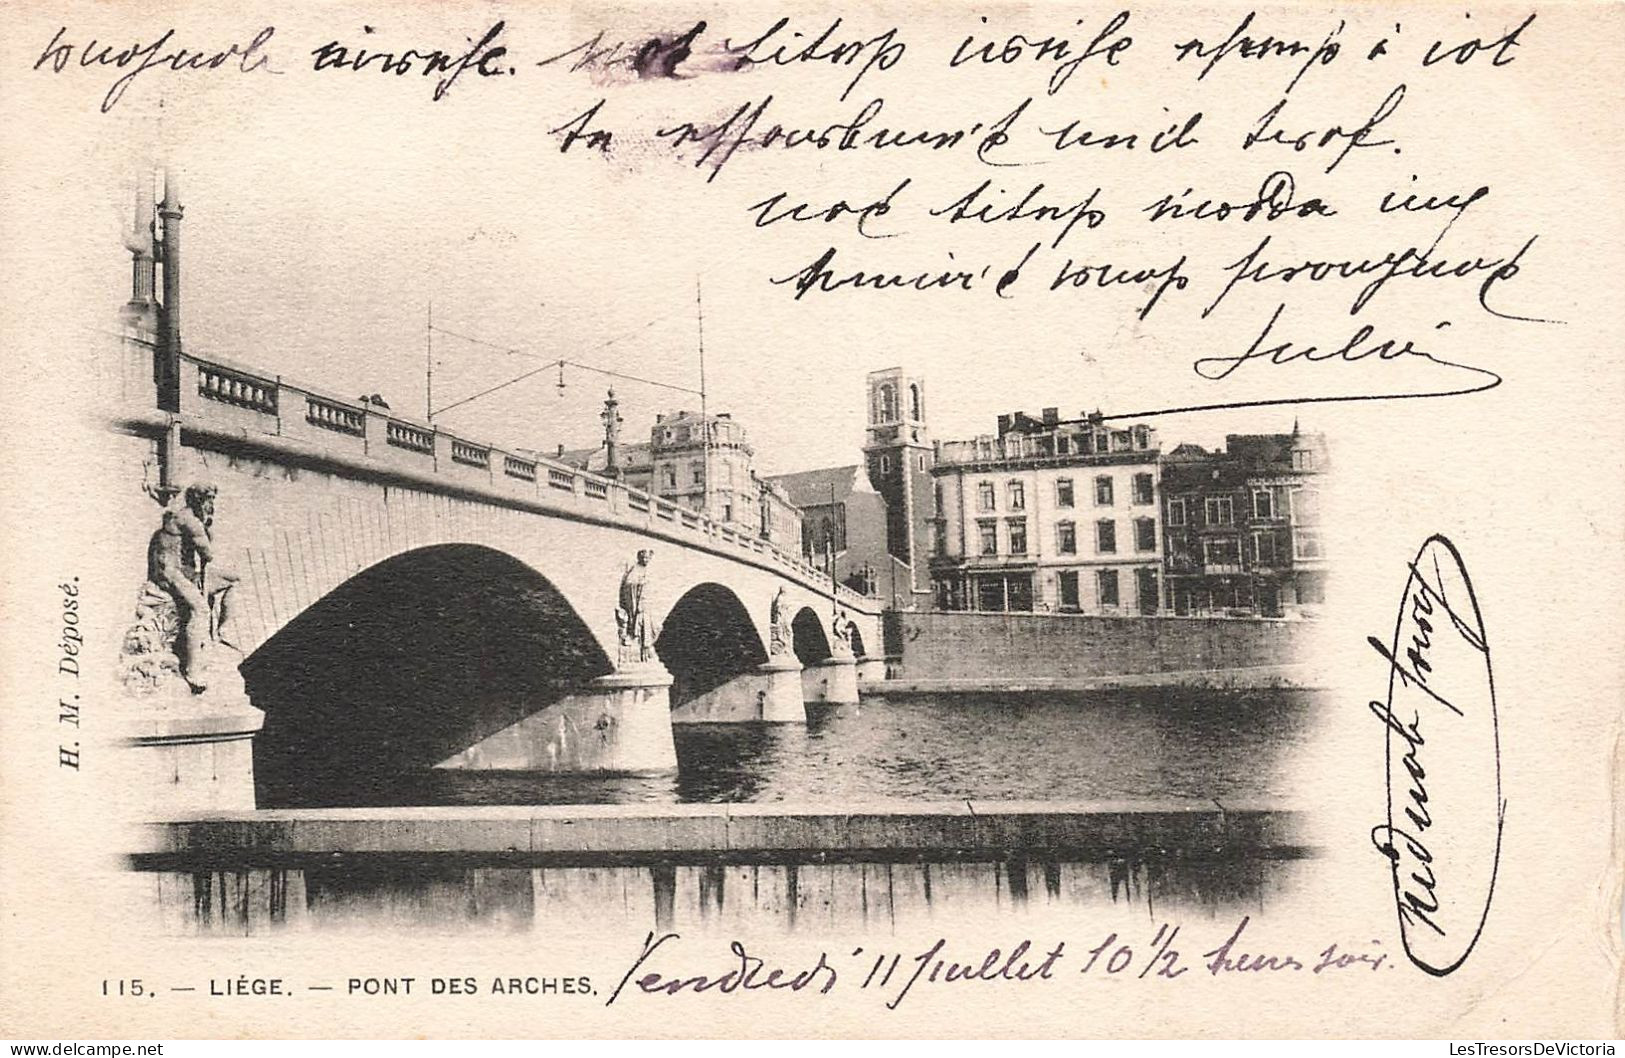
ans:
(1442, 838)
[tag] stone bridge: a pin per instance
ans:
(372, 560)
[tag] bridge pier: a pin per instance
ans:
(619, 723)
(833, 680)
(871, 670)
(771, 693)
(184, 754)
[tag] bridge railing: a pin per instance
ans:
(233, 397)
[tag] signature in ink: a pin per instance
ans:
(1363, 343)
(1442, 837)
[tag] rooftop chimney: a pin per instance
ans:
(1052, 416)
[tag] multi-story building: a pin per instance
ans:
(705, 463)
(1048, 516)
(1242, 526)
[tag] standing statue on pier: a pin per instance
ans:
(634, 625)
(782, 636)
(841, 627)
(184, 607)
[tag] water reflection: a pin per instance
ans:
(1140, 744)
(422, 894)
(1148, 744)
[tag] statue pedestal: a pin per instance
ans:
(618, 724)
(769, 694)
(185, 754)
(833, 680)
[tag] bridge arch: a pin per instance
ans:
(406, 662)
(810, 638)
(708, 637)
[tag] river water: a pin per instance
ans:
(1153, 743)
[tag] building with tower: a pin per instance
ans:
(865, 522)
(898, 457)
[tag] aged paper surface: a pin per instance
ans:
(1262, 679)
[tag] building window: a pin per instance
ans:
(1106, 587)
(1063, 492)
(1145, 534)
(887, 411)
(727, 512)
(936, 497)
(1103, 491)
(1018, 495)
(1144, 489)
(1264, 549)
(939, 539)
(1122, 440)
(1019, 593)
(990, 593)
(914, 410)
(1220, 511)
(922, 463)
(1263, 503)
(1066, 538)
(989, 532)
(1145, 581)
(1017, 528)
(985, 496)
(670, 476)
(1303, 459)
(1061, 446)
(1102, 442)
(885, 465)
(1069, 590)
(1306, 506)
(1105, 537)
(1221, 551)
(1306, 543)
(1176, 511)
(1142, 437)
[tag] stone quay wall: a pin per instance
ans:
(941, 651)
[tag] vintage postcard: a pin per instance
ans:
(965, 520)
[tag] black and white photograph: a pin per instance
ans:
(613, 521)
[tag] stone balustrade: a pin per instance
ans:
(234, 398)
